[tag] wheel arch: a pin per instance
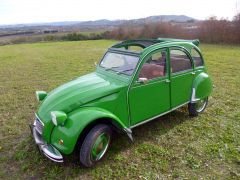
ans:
(79, 124)
(101, 120)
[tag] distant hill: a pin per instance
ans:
(105, 22)
(176, 18)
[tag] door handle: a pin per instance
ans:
(167, 81)
(142, 80)
(193, 73)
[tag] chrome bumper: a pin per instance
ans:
(47, 149)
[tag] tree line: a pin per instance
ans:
(211, 30)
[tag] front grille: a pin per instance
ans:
(39, 125)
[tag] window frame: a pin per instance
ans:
(188, 55)
(122, 52)
(203, 64)
(146, 58)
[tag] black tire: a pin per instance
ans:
(85, 154)
(194, 110)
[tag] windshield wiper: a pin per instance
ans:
(110, 68)
(120, 72)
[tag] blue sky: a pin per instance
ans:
(29, 11)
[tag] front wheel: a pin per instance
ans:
(95, 145)
(198, 107)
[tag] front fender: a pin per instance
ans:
(202, 87)
(75, 124)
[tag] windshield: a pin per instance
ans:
(121, 63)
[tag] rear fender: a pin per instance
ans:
(202, 87)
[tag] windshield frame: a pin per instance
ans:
(123, 52)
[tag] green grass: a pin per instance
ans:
(173, 146)
(48, 37)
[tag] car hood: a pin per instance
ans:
(77, 92)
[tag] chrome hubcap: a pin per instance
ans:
(100, 146)
(201, 104)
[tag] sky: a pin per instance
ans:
(35, 11)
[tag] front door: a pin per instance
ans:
(181, 77)
(149, 95)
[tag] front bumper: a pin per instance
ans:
(47, 149)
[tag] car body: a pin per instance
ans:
(128, 88)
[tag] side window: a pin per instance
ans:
(179, 61)
(155, 66)
(196, 58)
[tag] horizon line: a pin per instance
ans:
(49, 22)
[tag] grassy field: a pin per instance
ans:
(47, 37)
(173, 146)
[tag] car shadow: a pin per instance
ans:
(152, 129)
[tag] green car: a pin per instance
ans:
(135, 82)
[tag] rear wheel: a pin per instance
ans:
(95, 145)
(198, 107)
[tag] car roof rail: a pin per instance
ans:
(196, 42)
(143, 43)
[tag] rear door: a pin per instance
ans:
(182, 75)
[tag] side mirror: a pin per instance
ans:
(142, 80)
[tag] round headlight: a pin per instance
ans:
(58, 117)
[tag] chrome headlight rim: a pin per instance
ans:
(54, 118)
(58, 117)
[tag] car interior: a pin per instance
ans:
(180, 63)
(154, 67)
